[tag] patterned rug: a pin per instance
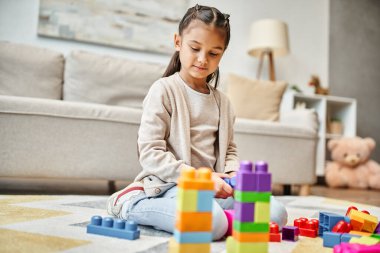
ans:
(41, 223)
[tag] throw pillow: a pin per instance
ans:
(255, 99)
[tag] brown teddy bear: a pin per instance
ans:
(351, 165)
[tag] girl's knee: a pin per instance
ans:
(219, 222)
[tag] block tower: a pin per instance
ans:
(252, 209)
(193, 228)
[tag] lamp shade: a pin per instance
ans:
(268, 35)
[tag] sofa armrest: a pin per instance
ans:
(305, 118)
(59, 139)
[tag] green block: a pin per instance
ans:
(251, 197)
(376, 236)
(234, 246)
(187, 200)
(250, 226)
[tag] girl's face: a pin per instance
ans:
(201, 48)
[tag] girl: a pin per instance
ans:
(186, 122)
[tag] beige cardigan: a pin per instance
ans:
(164, 135)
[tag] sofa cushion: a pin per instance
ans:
(108, 80)
(255, 99)
(30, 71)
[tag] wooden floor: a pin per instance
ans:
(96, 187)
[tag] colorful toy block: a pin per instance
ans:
(356, 248)
(308, 228)
(290, 233)
(330, 239)
(230, 218)
(231, 181)
(193, 228)
(342, 227)
(366, 240)
(274, 232)
(109, 226)
(250, 230)
(327, 221)
(361, 221)
(377, 229)
(347, 237)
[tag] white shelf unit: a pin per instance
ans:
(329, 107)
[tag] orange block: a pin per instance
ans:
(196, 179)
(250, 236)
(194, 221)
(353, 232)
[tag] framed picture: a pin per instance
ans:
(146, 25)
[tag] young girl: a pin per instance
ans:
(186, 122)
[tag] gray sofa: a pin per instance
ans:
(77, 117)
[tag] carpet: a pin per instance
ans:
(46, 223)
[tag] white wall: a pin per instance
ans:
(307, 21)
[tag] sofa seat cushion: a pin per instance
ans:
(30, 71)
(108, 80)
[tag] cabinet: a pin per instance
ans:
(329, 109)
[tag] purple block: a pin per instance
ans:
(245, 179)
(377, 229)
(290, 233)
(263, 178)
(244, 212)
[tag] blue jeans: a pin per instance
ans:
(160, 212)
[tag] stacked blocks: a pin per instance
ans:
(327, 221)
(252, 209)
(193, 228)
(113, 227)
(362, 221)
(308, 228)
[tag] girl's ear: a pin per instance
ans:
(177, 42)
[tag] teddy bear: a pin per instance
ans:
(350, 165)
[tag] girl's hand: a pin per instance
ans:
(222, 189)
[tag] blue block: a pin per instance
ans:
(327, 221)
(192, 237)
(113, 227)
(330, 239)
(346, 237)
(205, 201)
(231, 181)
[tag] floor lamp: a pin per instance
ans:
(268, 37)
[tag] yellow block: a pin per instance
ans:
(234, 246)
(370, 221)
(175, 247)
(262, 212)
(366, 240)
(187, 200)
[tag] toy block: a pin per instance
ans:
(357, 218)
(205, 201)
(290, 233)
(274, 232)
(230, 218)
(347, 237)
(349, 209)
(194, 221)
(113, 227)
(231, 181)
(330, 239)
(327, 221)
(245, 179)
(187, 200)
(354, 232)
(234, 246)
(250, 236)
(175, 247)
(196, 179)
(245, 196)
(263, 178)
(250, 226)
(377, 229)
(356, 248)
(366, 240)
(262, 212)
(244, 212)
(192, 237)
(376, 236)
(308, 228)
(342, 227)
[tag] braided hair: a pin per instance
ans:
(209, 16)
